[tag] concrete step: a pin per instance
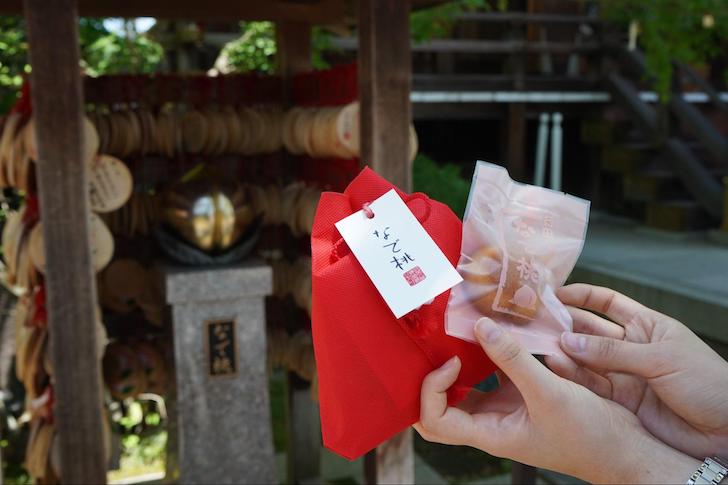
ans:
(611, 198)
(624, 159)
(678, 215)
(653, 185)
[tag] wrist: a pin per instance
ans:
(655, 462)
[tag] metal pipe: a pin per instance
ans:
(556, 138)
(541, 145)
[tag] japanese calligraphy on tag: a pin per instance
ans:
(222, 356)
(401, 259)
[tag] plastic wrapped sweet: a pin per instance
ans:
(520, 243)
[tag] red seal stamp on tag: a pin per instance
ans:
(414, 276)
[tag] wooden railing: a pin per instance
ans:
(529, 18)
(469, 46)
(695, 175)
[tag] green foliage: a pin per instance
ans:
(278, 391)
(461, 464)
(320, 42)
(438, 21)
(102, 52)
(441, 182)
(255, 50)
(13, 55)
(13, 434)
(691, 31)
(90, 29)
(145, 450)
(143, 437)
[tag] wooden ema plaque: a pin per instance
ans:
(221, 349)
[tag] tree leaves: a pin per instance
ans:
(441, 182)
(691, 31)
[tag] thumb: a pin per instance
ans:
(527, 373)
(610, 354)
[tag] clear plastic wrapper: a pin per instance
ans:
(520, 242)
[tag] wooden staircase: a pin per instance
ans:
(662, 165)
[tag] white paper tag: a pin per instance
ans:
(401, 259)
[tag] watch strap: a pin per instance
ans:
(711, 472)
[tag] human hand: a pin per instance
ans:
(649, 363)
(541, 419)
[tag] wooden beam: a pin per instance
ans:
(293, 48)
(312, 11)
(524, 18)
(70, 285)
(385, 72)
(469, 46)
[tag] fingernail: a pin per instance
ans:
(574, 342)
(450, 363)
(488, 330)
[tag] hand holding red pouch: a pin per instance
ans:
(520, 243)
(370, 364)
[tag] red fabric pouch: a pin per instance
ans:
(370, 364)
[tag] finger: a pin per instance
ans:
(527, 373)
(592, 324)
(606, 301)
(611, 354)
(442, 423)
(564, 366)
(433, 397)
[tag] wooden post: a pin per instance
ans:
(304, 439)
(293, 48)
(385, 73)
(516, 150)
(70, 287)
(392, 462)
(293, 52)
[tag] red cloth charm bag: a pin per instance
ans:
(370, 364)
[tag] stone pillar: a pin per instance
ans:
(223, 422)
